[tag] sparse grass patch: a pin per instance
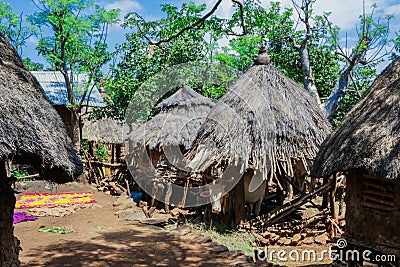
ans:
(231, 238)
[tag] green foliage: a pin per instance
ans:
(262, 25)
(14, 27)
(101, 152)
(273, 27)
(140, 61)
(17, 173)
(85, 146)
(75, 39)
(33, 66)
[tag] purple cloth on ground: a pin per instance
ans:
(21, 216)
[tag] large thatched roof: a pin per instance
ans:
(369, 137)
(31, 131)
(265, 121)
(180, 117)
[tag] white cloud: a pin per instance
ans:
(125, 6)
(225, 10)
(345, 13)
(33, 40)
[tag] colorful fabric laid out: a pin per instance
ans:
(21, 217)
(33, 200)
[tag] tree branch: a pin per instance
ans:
(242, 23)
(192, 26)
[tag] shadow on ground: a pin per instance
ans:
(129, 248)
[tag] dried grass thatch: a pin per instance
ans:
(31, 131)
(369, 136)
(180, 117)
(265, 121)
(106, 130)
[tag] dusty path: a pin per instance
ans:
(102, 239)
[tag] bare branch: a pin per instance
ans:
(192, 26)
(355, 85)
(295, 45)
(242, 23)
(342, 54)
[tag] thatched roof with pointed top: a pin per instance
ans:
(31, 131)
(265, 121)
(369, 136)
(177, 123)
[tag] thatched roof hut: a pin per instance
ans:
(264, 122)
(105, 130)
(177, 123)
(366, 147)
(157, 147)
(32, 132)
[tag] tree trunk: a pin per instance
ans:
(74, 131)
(338, 94)
(9, 248)
(308, 79)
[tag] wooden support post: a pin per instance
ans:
(91, 149)
(128, 189)
(341, 201)
(227, 209)
(112, 153)
(325, 196)
(118, 152)
(168, 195)
(240, 208)
(332, 204)
(153, 201)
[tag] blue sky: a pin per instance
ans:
(344, 13)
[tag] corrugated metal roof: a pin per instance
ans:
(54, 86)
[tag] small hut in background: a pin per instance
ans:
(31, 132)
(105, 131)
(366, 147)
(168, 135)
(53, 84)
(266, 123)
(104, 153)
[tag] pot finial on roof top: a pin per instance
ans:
(262, 58)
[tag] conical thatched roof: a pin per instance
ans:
(180, 117)
(369, 136)
(265, 121)
(31, 131)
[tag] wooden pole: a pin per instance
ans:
(240, 208)
(332, 203)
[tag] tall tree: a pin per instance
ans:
(373, 38)
(276, 27)
(147, 51)
(73, 41)
(311, 55)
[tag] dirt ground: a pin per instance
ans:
(100, 238)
